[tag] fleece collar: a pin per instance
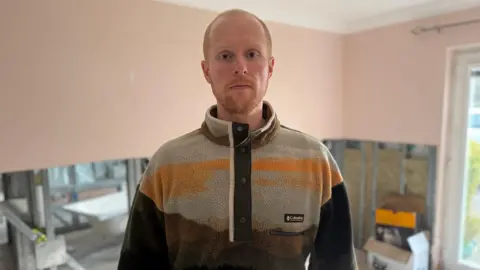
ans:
(217, 130)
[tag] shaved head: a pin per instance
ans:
(226, 14)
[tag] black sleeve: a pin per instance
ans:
(144, 245)
(334, 248)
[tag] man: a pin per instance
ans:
(242, 191)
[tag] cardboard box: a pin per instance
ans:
(398, 218)
(361, 257)
(382, 256)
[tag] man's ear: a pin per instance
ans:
(206, 71)
(271, 64)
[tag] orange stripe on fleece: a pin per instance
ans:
(327, 171)
(191, 178)
(187, 178)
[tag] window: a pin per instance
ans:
(461, 221)
(474, 121)
(475, 75)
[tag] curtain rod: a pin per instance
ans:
(420, 29)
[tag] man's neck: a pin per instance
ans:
(254, 119)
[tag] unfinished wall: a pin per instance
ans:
(388, 180)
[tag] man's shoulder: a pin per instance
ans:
(178, 147)
(299, 139)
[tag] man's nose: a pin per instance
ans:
(240, 66)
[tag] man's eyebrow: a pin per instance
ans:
(221, 50)
(257, 46)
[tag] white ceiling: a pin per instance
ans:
(343, 16)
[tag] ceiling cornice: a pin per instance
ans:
(409, 14)
(308, 17)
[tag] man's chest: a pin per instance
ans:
(264, 192)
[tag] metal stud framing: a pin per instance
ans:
(36, 190)
(134, 172)
(337, 148)
(363, 186)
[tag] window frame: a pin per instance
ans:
(456, 145)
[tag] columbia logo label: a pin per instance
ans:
(291, 218)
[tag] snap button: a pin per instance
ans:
(243, 220)
(243, 180)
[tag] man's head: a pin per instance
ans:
(238, 62)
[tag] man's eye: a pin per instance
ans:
(252, 54)
(225, 56)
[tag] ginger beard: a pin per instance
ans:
(239, 100)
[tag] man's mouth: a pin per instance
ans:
(239, 86)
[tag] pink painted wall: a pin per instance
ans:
(92, 80)
(394, 81)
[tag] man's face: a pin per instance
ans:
(238, 64)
